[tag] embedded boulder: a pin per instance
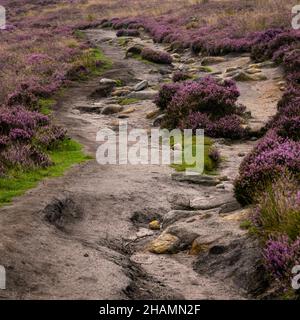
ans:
(165, 243)
(111, 109)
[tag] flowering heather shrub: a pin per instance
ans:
(127, 23)
(37, 58)
(180, 76)
(281, 255)
(22, 97)
(3, 142)
(291, 97)
(128, 33)
(49, 136)
(20, 134)
(272, 157)
(291, 60)
(260, 50)
(166, 94)
(282, 40)
(289, 127)
(19, 117)
(196, 120)
(21, 131)
(156, 56)
(206, 96)
(25, 156)
(293, 79)
(226, 127)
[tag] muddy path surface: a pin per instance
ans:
(86, 236)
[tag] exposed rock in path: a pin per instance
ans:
(143, 218)
(103, 91)
(173, 240)
(175, 215)
(144, 232)
(230, 69)
(120, 92)
(259, 77)
(244, 76)
(135, 49)
(143, 95)
(179, 201)
(230, 207)
(212, 60)
(165, 70)
(90, 109)
(107, 81)
(203, 243)
(158, 120)
(154, 225)
(240, 260)
(185, 236)
(165, 243)
(129, 110)
(253, 70)
(152, 114)
(141, 85)
(264, 64)
(111, 109)
(203, 180)
(211, 202)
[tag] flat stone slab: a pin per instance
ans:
(206, 203)
(204, 180)
(143, 95)
(141, 85)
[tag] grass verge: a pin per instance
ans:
(210, 165)
(46, 105)
(17, 182)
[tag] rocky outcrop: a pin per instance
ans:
(240, 260)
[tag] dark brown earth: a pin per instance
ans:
(85, 235)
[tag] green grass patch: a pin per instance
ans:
(278, 212)
(127, 101)
(79, 34)
(96, 61)
(17, 182)
(210, 166)
(46, 105)
(119, 83)
(92, 62)
(122, 41)
(205, 69)
(246, 225)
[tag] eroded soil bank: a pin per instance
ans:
(86, 235)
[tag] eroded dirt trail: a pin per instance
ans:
(86, 236)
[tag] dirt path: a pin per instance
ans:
(86, 236)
